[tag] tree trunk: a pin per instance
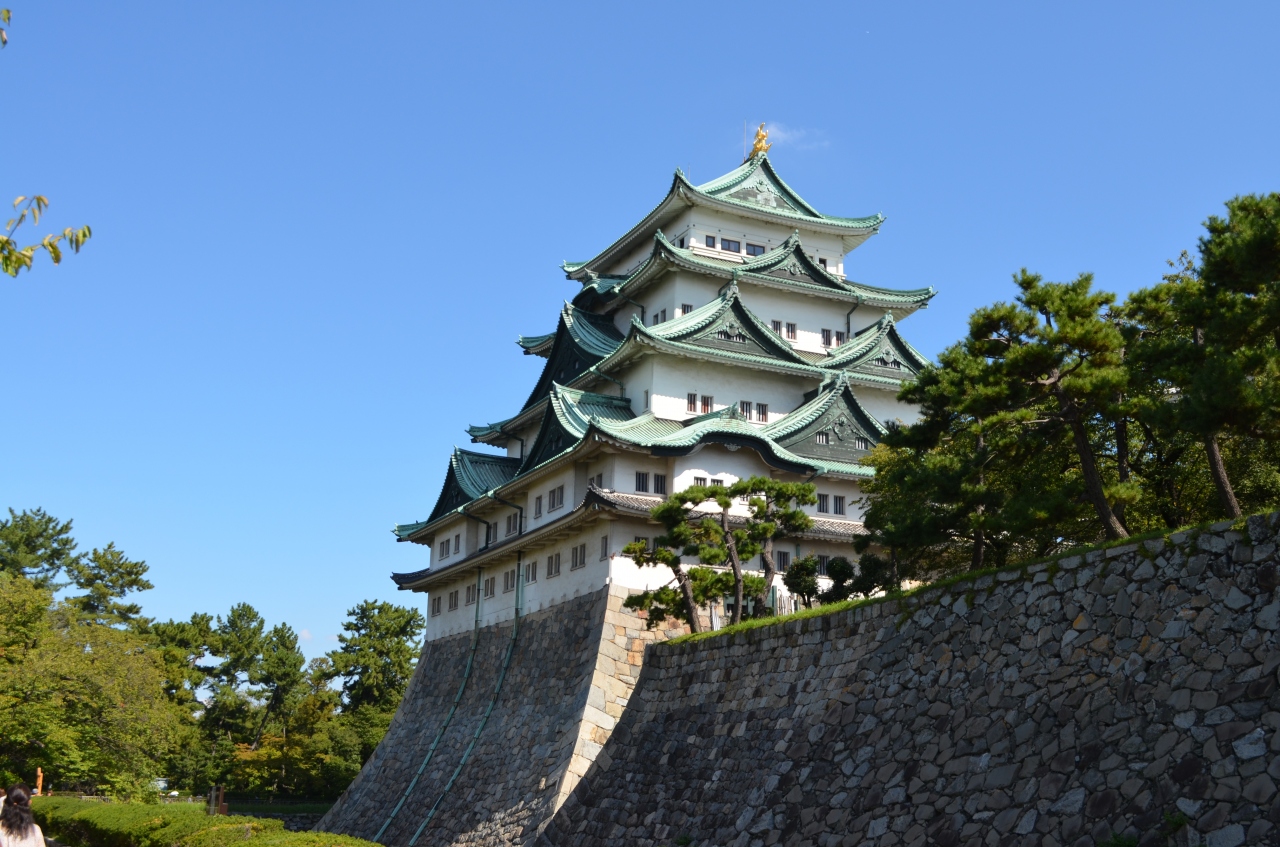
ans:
(732, 547)
(979, 540)
(1226, 494)
(690, 605)
(766, 559)
(1089, 468)
(893, 569)
(1122, 460)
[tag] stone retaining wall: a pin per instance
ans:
(569, 679)
(1129, 693)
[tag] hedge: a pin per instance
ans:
(86, 823)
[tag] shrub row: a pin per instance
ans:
(85, 823)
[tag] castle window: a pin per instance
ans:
(839, 337)
(553, 565)
(744, 406)
(777, 326)
(717, 483)
(700, 481)
(826, 338)
(824, 503)
(659, 483)
(659, 317)
(646, 398)
(708, 403)
(604, 547)
(599, 480)
(471, 595)
(642, 482)
(644, 539)
(730, 246)
(444, 548)
(822, 262)
(436, 603)
(531, 571)
(686, 308)
(791, 332)
(693, 402)
(822, 438)
(782, 559)
(822, 565)
(578, 557)
(755, 250)
(711, 241)
(861, 443)
(490, 587)
(453, 601)
(513, 523)
(509, 581)
(457, 544)
(555, 498)
(682, 242)
(762, 412)
(537, 506)
(736, 335)
(837, 504)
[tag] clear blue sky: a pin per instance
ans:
(319, 227)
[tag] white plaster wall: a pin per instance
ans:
(674, 377)
(885, 406)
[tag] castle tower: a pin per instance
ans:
(718, 339)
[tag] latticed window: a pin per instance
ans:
(555, 498)
(531, 571)
(861, 442)
(659, 483)
(553, 565)
(826, 338)
(755, 250)
(744, 406)
(837, 504)
(730, 245)
(824, 503)
(693, 403)
(791, 332)
(509, 581)
(686, 308)
(708, 403)
(700, 481)
(513, 523)
(604, 547)
(782, 559)
(491, 586)
(578, 557)
(762, 412)
(471, 594)
(642, 482)
(453, 601)
(822, 565)
(436, 603)
(777, 326)
(840, 336)
(537, 506)
(823, 438)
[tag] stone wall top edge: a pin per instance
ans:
(1022, 575)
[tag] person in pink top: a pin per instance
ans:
(17, 829)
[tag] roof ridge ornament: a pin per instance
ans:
(761, 145)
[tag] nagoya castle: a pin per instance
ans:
(717, 339)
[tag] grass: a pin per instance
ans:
(81, 823)
(948, 581)
(278, 808)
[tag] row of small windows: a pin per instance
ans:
(823, 439)
(706, 403)
(830, 338)
(555, 500)
(660, 315)
(550, 569)
(831, 504)
(659, 482)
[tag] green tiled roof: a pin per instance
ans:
(829, 394)
(858, 351)
(570, 414)
(470, 475)
(531, 344)
(786, 265)
(754, 188)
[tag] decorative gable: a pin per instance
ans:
(835, 428)
(762, 191)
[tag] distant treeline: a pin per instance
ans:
(106, 700)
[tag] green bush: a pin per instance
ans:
(85, 823)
